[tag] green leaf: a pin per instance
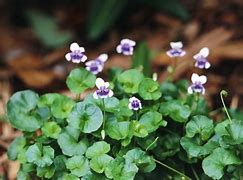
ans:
(47, 30)
(40, 155)
(169, 90)
(130, 80)
(47, 99)
(220, 128)
(235, 130)
(62, 106)
(138, 129)
(69, 177)
(94, 176)
(99, 163)
(80, 80)
(120, 170)
(195, 148)
(60, 163)
(99, 18)
(117, 130)
(124, 110)
(141, 58)
(71, 145)
(214, 164)
(97, 149)
(15, 147)
(21, 111)
(46, 172)
(87, 117)
(149, 89)
(78, 165)
(175, 110)
(152, 120)
(201, 125)
(51, 129)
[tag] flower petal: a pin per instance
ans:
(110, 93)
(176, 45)
(84, 58)
(106, 84)
(202, 79)
(68, 57)
(119, 48)
(189, 90)
(207, 65)
(204, 52)
(103, 57)
(75, 47)
(195, 78)
(132, 99)
(128, 41)
(99, 82)
(95, 95)
(130, 105)
(89, 63)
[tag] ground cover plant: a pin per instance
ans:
(131, 127)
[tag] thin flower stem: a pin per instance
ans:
(224, 93)
(104, 118)
(195, 174)
(172, 169)
(136, 114)
(156, 139)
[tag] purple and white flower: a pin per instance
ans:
(95, 66)
(126, 47)
(103, 90)
(77, 54)
(176, 50)
(134, 104)
(197, 84)
(201, 61)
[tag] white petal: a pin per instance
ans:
(169, 54)
(88, 68)
(99, 82)
(195, 77)
(132, 99)
(103, 57)
(89, 63)
(76, 61)
(110, 93)
(106, 84)
(128, 41)
(203, 79)
(189, 90)
(207, 65)
(130, 106)
(100, 68)
(95, 95)
(84, 58)
(176, 45)
(68, 57)
(119, 48)
(75, 47)
(140, 105)
(203, 91)
(204, 52)
(183, 53)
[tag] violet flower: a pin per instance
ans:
(197, 84)
(126, 47)
(176, 50)
(103, 91)
(134, 104)
(201, 61)
(95, 66)
(76, 55)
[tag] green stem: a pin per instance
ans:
(78, 97)
(136, 115)
(156, 139)
(195, 173)
(172, 169)
(104, 118)
(224, 93)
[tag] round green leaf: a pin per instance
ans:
(124, 110)
(141, 159)
(175, 110)
(15, 147)
(62, 106)
(70, 177)
(130, 80)
(214, 164)
(138, 129)
(201, 125)
(51, 129)
(40, 155)
(70, 145)
(149, 89)
(87, 117)
(235, 130)
(46, 172)
(21, 111)
(99, 163)
(97, 149)
(47, 99)
(117, 130)
(152, 120)
(78, 165)
(80, 79)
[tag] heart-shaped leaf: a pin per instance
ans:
(78, 165)
(149, 89)
(99, 163)
(97, 149)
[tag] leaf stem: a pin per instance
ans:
(224, 93)
(195, 173)
(172, 169)
(156, 139)
(103, 126)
